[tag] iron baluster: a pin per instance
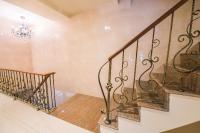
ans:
(13, 82)
(109, 88)
(100, 84)
(54, 91)
(28, 88)
(40, 93)
(135, 69)
(47, 94)
(121, 98)
(32, 88)
(151, 60)
(7, 82)
(21, 85)
(191, 23)
(44, 94)
(34, 82)
(168, 49)
(51, 89)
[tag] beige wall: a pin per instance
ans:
(125, 23)
(76, 47)
(14, 52)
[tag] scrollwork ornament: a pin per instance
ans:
(109, 86)
(121, 98)
(149, 61)
(188, 37)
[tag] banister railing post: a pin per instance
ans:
(33, 88)
(168, 49)
(109, 88)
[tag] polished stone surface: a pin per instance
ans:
(148, 98)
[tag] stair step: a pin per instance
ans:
(129, 110)
(186, 81)
(150, 99)
(113, 115)
(186, 69)
(173, 75)
(134, 116)
(114, 123)
(173, 88)
(190, 61)
(170, 67)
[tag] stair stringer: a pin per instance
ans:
(182, 110)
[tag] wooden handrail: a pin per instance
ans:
(179, 4)
(42, 74)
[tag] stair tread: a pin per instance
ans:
(130, 111)
(190, 60)
(113, 125)
(149, 100)
(113, 116)
(185, 69)
(129, 116)
(173, 88)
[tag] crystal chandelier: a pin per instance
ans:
(22, 30)
(119, 1)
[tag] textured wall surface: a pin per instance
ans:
(76, 47)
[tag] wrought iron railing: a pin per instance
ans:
(36, 89)
(117, 93)
(188, 38)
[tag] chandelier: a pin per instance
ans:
(22, 30)
(119, 1)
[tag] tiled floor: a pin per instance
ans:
(81, 110)
(18, 117)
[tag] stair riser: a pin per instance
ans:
(191, 83)
(185, 81)
(173, 75)
(189, 61)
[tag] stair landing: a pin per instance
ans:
(81, 110)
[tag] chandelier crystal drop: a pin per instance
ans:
(22, 30)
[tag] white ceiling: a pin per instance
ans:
(72, 7)
(66, 7)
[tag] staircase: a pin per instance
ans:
(153, 86)
(35, 89)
